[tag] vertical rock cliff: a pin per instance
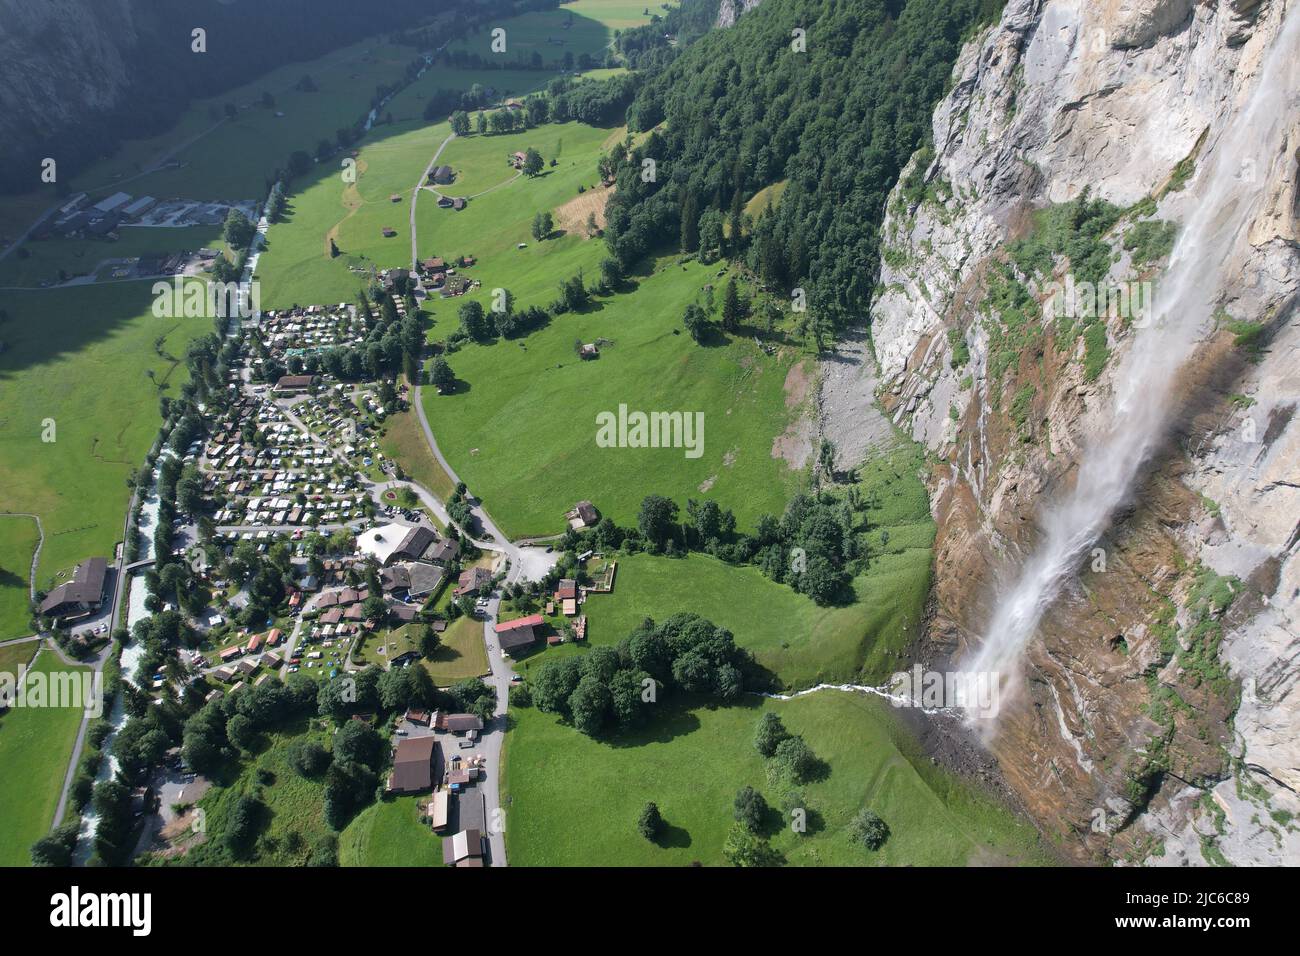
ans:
(1159, 718)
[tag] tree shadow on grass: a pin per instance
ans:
(672, 837)
(667, 722)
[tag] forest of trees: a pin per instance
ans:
(839, 119)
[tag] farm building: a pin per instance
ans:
(294, 383)
(80, 596)
(456, 723)
(465, 849)
(518, 633)
(583, 515)
(138, 208)
(112, 203)
(415, 765)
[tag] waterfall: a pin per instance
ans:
(1225, 197)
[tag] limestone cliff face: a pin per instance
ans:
(1161, 716)
(729, 11)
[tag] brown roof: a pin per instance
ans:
(457, 723)
(413, 764)
(288, 382)
(86, 586)
(417, 540)
(443, 550)
(472, 580)
(404, 612)
(519, 637)
(464, 846)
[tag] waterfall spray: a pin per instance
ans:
(1228, 193)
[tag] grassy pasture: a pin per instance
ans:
(797, 641)
(18, 539)
(79, 356)
(544, 32)
(692, 761)
(615, 14)
(403, 440)
(35, 743)
(491, 227)
(461, 655)
(207, 156)
(297, 267)
(801, 643)
(389, 833)
(521, 430)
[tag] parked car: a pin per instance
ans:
(465, 744)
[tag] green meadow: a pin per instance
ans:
(691, 761)
(207, 156)
(13, 657)
(615, 14)
(801, 643)
(492, 226)
(76, 370)
(462, 653)
(389, 833)
(520, 429)
(590, 26)
(296, 266)
(402, 439)
(798, 642)
(34, 746)
(236, 158)
(18, 539)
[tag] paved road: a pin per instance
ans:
(524, 563)
(493, 739)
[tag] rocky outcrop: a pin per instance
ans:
(729, 11)
(1124, 741)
